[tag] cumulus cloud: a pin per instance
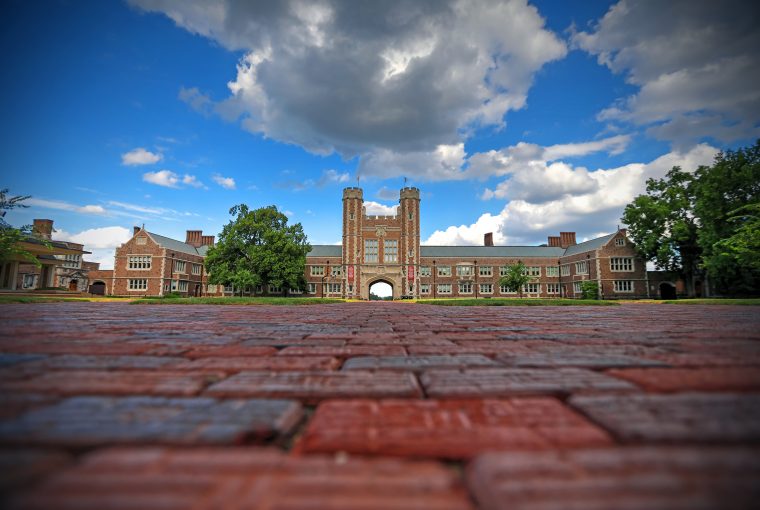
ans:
(443, 163)
(140, 156)
(696, 65)
(398, 76)
(100, 241)
(333, 177)
(377, 209)
(529, 219)
(224, 182)
(191, 180)
(65, 206)
(165, 178)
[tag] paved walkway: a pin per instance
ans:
(379, 405)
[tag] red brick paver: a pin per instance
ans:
(246, 478)
(449, 428)
(692, 379)
(667, 478)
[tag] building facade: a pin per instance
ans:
(387, 249)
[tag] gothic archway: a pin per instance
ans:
(380, 289)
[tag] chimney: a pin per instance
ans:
(488, 239)
(554, 241)
(566, 239)
(194, 238)
(207, 240)
(135, 230)
(623, 231)
(43, 228)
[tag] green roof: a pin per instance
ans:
(174, 245)
(490, 251)
(590, 245)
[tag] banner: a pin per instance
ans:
(410, 273)
(350, 273)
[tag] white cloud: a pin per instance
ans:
(165, 178)
(66, 206)
(100, 241)
(528, 220)
(333, 177)
(443, 163)
(696, 65)
(377, 209)
(224, 182)
(140, 156)
(191, 180)
(392, 76)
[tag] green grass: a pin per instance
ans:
(33, 299)
(714, 301)
(236, 301)
(516, 302)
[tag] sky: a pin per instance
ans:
(513, 117)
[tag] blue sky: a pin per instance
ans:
(519, 118)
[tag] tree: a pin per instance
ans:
(663, 227)
(589, 289)
(10, 237)
(259, 248)
(516, 278)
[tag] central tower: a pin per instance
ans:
(381, 248)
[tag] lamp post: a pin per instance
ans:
(434, 272)
(171, 276)
(475, 276)
(559, 276)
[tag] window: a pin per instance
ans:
(350, 289)
(139, 262)
(390, 250)
(621, 264)
(271, 289)
(504, 290)
(424, 270)
(444, 270)
(179, 266)
(424, 288)
(138, 284)
(465, 288)
(581, 267)
(312, 288)
(295, 291)
(503, 270)
(486, 288)
(142, 240)
(622, 285)
(566, 270)
(532, 288)
(620, 241)
(410, 216)
(167, 287)
(552, 271)
(333, 288)
(196, 269)
(552, 288)
(533, 271)
(351, 216)
(444, 288)
(71, 260)
(228, 288)
(182, 286)
(370, 250)
(464, 271)
(577, 287)
(485, 271)
(317, 270)
(336, 270)
(211, 288)
(28, 281)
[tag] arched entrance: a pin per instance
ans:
(667, 290)
(73, 284)
(98, 287)
(381, 290)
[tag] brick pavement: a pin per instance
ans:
(379, 405)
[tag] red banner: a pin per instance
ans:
(410, 273)
(350, 273)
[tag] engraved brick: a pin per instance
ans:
(476, 382)
(417, 363)
(91, 421)
(315, 386)
(686, 417)
(640, 477)
(447, 428)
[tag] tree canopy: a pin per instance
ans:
(516, 278)
(704, 222)
(11, 237)
(259, 248)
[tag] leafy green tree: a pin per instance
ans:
(589, 289)
(663, 227)
(516, 278)
(727, 199)
(10, 237)
(259, 248)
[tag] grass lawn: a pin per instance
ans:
(516, 302)
(236, 301)
(55, 299)
(713, 301)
